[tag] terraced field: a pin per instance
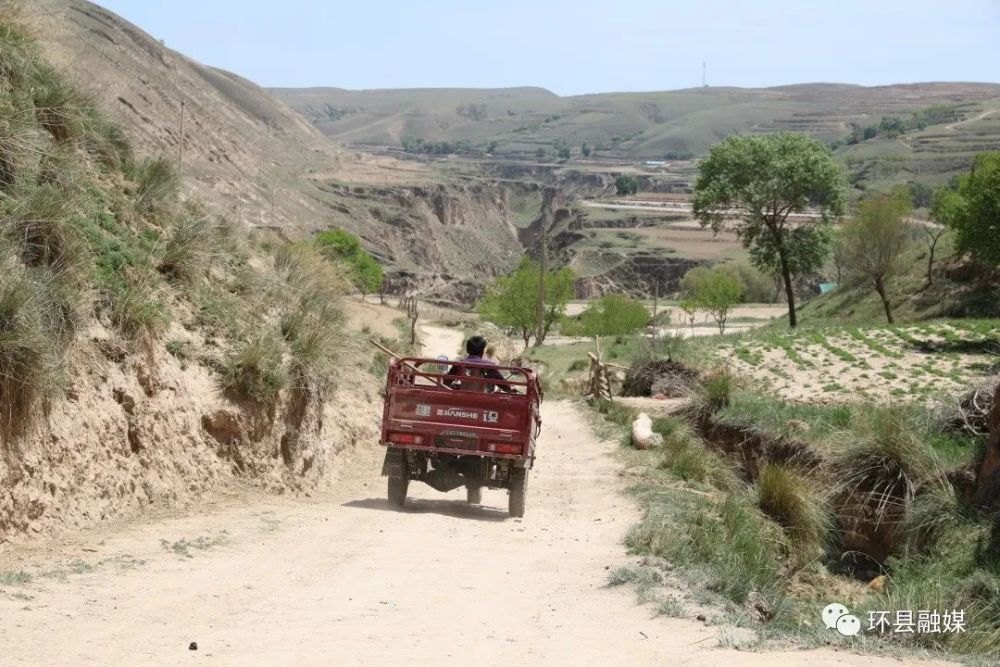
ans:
(913, 363)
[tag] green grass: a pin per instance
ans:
(14, 578)
(182, 548)
(253, 368)
(797, 504)
(190, 250)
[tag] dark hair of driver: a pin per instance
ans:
(475, 346)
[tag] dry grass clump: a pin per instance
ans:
(884, 463)
(60, 107)
(191, 249)
(312, 322)
(795, 502)
(30, 359)
(254, 368)
(137, 307)
(157, 186)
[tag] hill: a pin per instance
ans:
(249, 157)
(946, 121)
(637, 125)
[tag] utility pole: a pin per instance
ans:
(656, 302)
(180, 144)
(704, 74)
(540, 334)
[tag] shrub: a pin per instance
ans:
(794, 501)
(253, 368)
(59, 106)
(136, 306)
(884, 462)
(311, 319)
(342, 246)
(611, 315)
(627, 185)
(17, 48)
(714, 393)
(43, 222)
(30, 364)
(107, 142)
(156, 186)
(191, 249)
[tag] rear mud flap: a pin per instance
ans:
(394, 464)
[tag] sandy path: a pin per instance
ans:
(344, 579)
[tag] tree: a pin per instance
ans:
(766, 178)
(613, 315)
(511, 302)
(976, 215)
(627, 185)
(585, 150)
(921, 194)
(540, 153)
(342, 246)
(838, 253)
(716, 290)
(690, 307)
(946, 211)
(875, 240)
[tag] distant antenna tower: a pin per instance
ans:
(704, 76)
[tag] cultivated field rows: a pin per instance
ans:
(889, 363)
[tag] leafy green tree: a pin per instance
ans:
(541, 153)
(585, 150)
(892, 127)
(764, 179)
(511, 302)
(627, 184)
(613, 315)
(869, 132)
(874, 242)
(342, 246)
(717, 290)
(921, 194)
(976, 216)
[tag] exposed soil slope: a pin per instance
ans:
(253, 159)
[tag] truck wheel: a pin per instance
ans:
(474, 495)
(397, 490)
(518, 492)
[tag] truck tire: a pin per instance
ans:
(518, 492)
(474, 495)
(397, 490)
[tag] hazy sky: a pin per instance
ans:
(580, 46)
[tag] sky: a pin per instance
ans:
(580, 46)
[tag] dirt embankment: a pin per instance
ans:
(141, 430)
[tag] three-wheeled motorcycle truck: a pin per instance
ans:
(448, 424)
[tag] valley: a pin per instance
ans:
(765, 322)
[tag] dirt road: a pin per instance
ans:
(343, 579)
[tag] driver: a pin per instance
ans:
(474, 348)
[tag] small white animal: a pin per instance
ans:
(642, 431)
